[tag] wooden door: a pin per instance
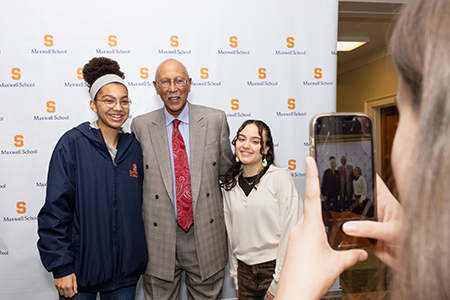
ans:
(389, 121)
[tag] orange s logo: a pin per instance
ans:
(16, 73)
(134, 172)
(18, 139)
(51, 108)
(234, 104)
(48, 38)
(291, 103)
(21, 207)
(233, 41)
(292, 164)
(112, 40)
(144, 73)
(204, 72)
(318, 72)
(290, 42)
(174, 41)
(80, 73)
(262, 73)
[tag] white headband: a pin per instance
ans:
(102, 81)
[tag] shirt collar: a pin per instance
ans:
(183, 116)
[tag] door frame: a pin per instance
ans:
(372, 107)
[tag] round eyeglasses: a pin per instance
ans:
(111, 103)
(165, 83)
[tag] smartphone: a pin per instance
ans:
(342, 145)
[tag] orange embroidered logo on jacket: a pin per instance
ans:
(134, 172)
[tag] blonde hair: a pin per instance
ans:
(420, 46)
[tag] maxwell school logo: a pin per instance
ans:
(292, 166)
(49, 42)
(290, 44)
(291, 105)
(233, 43)
(204, 74)
(51, 109)
(80, 84)
(262, 74)
(21, 209)
(235, 106)
(19, 142)
(144, 74)
(134, 172)
(174, 43)
(318, 74)
(16, 74)
(113, 43)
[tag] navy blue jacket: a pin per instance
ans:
(91, 223)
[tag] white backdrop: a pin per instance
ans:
(269, 60)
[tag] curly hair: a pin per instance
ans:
(99, 66)
(230, 179)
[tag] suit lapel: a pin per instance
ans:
(197, 133)
(158, 135)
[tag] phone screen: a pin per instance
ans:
(343, 149)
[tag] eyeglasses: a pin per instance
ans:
(111, 103)
(165, 83)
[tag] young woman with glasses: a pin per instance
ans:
(91, 232)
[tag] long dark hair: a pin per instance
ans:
(231, 176)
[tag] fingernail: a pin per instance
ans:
(349, 227)
(308, 161)
(363, 256)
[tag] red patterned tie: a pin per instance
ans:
(185, 215)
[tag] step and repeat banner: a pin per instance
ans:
(268, 60)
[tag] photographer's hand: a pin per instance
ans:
(311, 266)
(386, 230)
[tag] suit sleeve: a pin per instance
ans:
(56, 215)
(226, 155)
(290, 211)
(133, 129)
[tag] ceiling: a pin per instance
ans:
(373, 19)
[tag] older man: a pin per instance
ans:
(345, 178)
(186, 149)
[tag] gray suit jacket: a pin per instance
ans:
(346, 190)
(210, 157)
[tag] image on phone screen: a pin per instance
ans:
(343, 150)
